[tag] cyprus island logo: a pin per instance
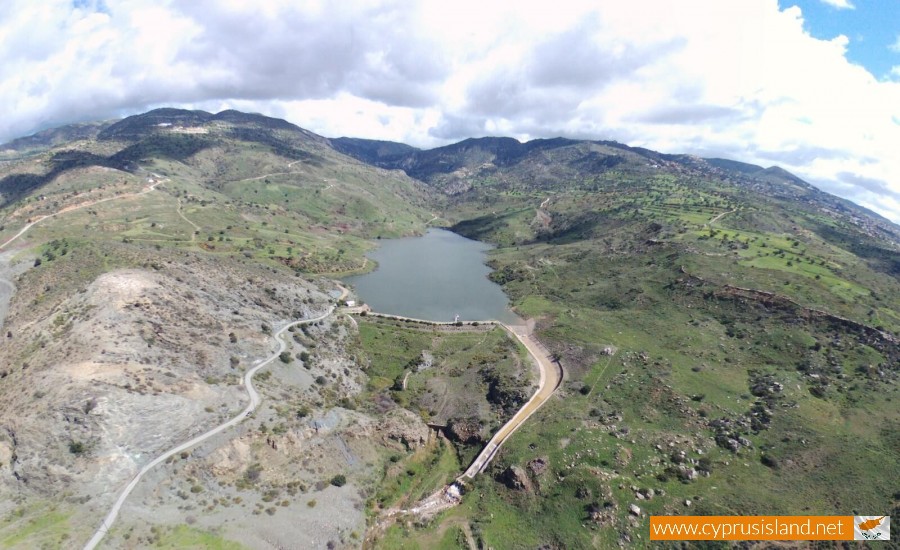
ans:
(872, 527)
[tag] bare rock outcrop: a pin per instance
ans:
(466, 431)
(405, 427)
(515, 477)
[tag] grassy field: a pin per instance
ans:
(236, 199)
(736, 405)
(43, 525)
(477, 375)
(449, 374)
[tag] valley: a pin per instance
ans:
(698, 336)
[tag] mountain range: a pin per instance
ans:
(728, 333)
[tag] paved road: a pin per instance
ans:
(254, 403)
(551, 377)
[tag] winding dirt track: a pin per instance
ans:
(76, 207)
(255, 400)
(551, 376)
(9, 288)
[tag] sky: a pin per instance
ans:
(809, 85)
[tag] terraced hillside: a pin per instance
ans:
(233, 184)
(729, 334)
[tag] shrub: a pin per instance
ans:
(339, 480)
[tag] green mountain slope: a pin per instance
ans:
(729, 332)
(251, 184)
(753, 321)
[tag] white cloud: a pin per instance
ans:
(741, 80)
(896, 45)
(839, 4)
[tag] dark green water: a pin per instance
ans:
(435, 277)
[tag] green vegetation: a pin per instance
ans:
(478, 374)
(411, 478)
(339, 480)
(729, 335)
(184, 536)
(35, 527)
(747, 357)
(315, 216)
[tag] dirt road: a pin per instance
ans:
(255, 400)
(7, 289)
(75, 207)
(551, 377)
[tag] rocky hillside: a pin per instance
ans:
(168, 250)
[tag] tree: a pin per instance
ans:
(285, 357)
(232, 337)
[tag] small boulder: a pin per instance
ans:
(539, 465)
(515, 477)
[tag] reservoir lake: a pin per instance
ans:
(435, 277)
